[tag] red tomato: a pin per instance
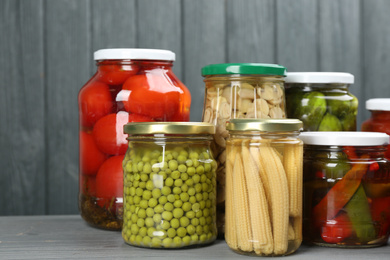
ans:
(109, 181)
(90, 156)
(139, 118)
(151, 95)
(337, 230)
(114, 74)
(95, 102)
(108, 133)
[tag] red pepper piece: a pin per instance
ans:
(374, 166)
(350, 152)
(339, 195)
(337, 230)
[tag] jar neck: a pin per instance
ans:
(344, 152)
(313, 87)
(145, 64)
(244, 78)
(263, 135)
(170, 138)
(380, 115)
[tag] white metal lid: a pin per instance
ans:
(134, 54)
(345, 138)
(382, 104)
(319, 77)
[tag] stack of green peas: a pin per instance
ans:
(169, 196)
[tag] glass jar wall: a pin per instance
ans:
(169, 185)
(346, 189)
(130, 85)
(239, 90)
(321, 100)
(264, 186)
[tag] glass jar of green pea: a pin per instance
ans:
(169, 185)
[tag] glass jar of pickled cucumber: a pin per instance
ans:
(239, 90)
(346, 189)
(264, 186)
(130, 85)
(169, 185)
(321, 100)
(380, 118)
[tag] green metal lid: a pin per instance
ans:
(244, 68)
(169, 128)
(264, 125)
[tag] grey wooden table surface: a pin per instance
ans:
(69, 237)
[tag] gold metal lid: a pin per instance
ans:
(264, 125)
(169, 128)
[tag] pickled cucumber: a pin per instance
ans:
(169, 197)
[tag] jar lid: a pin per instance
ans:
(264, 125)
(134, 54)
(345, 138)
(244, 68)
(169, 128)
(382, 104)
(320, 77)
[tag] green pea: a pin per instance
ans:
(184, 221)
(140, 222)
(165, 224)
(176, 190)
(194, 237)
(178, 182)
(198, 188)
(146, 241)
(149, 222)
(196, 207)
(171, 232)
(195, 222)
(202, 221)
(159, 208)
(134, 218)
(190, 214)
(181, 158)
(149, 212)
(196, 178)
(151, 231)
(199, 197)
(157, 218)
(177, 204)
(199, 230)
(147, 168)
(203, 178)
(140, 166)
(139, 192)
(182, 168)
(200, 169)
(175, 175)
(191, 171)
(178, 212)
(177, 241)
(132, 191)
(166, 190)
(147, 195)
(149, 185)
(209, 220)
(186, 240)
(167, 215)
(181, 232)
(191, 229)
(189, 163)
(184, 187)
(199, 214)
(143, 231)
(142, 184)
(168, 206)
(171, 198)
(142, 213)
(175, 223)
(135, 183)
(162, 200)
(184, 176)
(169, 182)
(134, 229)
(143, 204)
(184, 197)
(173, 165)
(195, 162)
(207, 167)
(167, 242)
(156, 193)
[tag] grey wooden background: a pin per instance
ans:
(46, 55)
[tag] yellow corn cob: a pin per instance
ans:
(258, 209)
(279, 197)
(293, 165)
(230, 222)
(241, 207)
(291, 232)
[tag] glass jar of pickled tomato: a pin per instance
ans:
(264, 186)
(169, 185)
(346, 189)
(239, 90)
(130, 85)
(380, 118)
(322, 100)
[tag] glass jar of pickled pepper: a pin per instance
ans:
(169, 185)
(346, 189)
(239, 90)
(380, 118)
(130, 85)
(321, 100)
(264, 186)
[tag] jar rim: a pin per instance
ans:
(146, 128)
(264, 125)
(134, 54)
(344, 138)
(319, 77)
(244, 68)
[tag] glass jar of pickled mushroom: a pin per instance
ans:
(239, 90)
(264, 186)
(380, 118)
(169, 185)
(346, 191)
(130, 85)
(321, 100)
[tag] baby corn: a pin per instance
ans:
(230, 225)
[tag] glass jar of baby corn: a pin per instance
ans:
(264, 186)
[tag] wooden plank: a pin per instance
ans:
(67, 69)
(159, 27)
(204, 43)
(297, 35)
(113, 25)
(376, 50)
(250, 31)
(339, 43)
(22, 141)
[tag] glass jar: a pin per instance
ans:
(130, 85)
(346, 189)
(380, 118)
(321, 100)
(169, 185)
(239, 90)
(264, 186)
